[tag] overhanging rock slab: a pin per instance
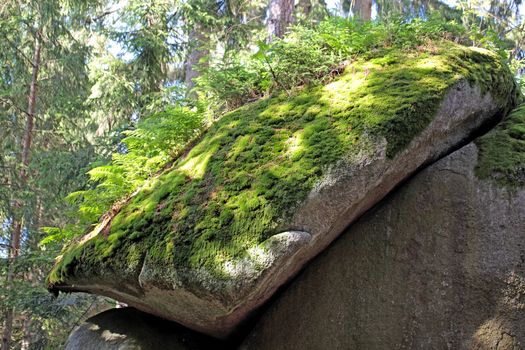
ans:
(273, 183)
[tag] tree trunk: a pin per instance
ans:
(16, 233)
(198, 41)
(362, 9)
(8, 329)
(279, 17)
(14, 249)
(28, 335)
(31, 105)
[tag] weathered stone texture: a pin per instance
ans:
(439, 264)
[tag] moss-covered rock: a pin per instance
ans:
(272, 183)
(502, 151)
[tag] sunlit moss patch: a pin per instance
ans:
(245, 178)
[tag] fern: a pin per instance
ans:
(154, 142)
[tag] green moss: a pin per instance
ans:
(502, 151)
(243, 181)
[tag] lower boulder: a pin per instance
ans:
(439, 264)
(130, 329)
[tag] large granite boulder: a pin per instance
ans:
(130, 329)
(438, 264)
(274, 183)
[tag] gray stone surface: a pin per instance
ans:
(130, 329)
(217, 306)
(439, 264)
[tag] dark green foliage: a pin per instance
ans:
(58, 316)
(58, 154)
(502, 151)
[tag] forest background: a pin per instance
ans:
(98, 95)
